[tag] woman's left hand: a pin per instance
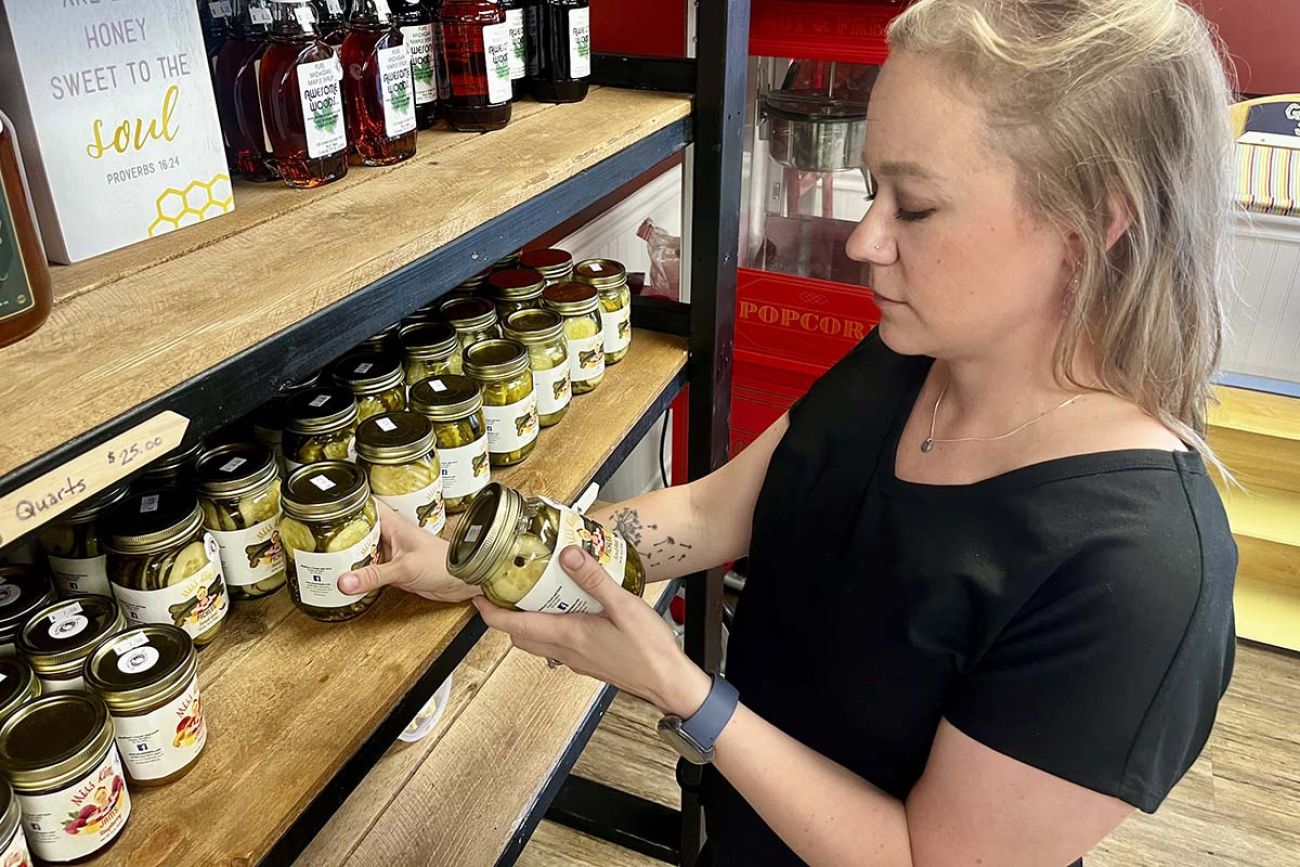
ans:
(628, 645)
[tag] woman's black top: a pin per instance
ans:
(1075, 615)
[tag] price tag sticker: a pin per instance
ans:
(322, 482)
(126, 645)
(259, 14)
(472, 534)
(148, 504)
(335, 6)
(319, 400)
(595, 266)
(437, 385)
(220, 8)
(363, 367)
(386, 424)
(65, 612)
(233, 464)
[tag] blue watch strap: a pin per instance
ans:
(712, 717)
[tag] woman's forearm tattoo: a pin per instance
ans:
(628, 524)
(667, 550)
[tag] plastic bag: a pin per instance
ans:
(665, 261)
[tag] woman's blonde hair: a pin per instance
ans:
(1102, 103)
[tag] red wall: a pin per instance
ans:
(655, 27)
(1263, 37)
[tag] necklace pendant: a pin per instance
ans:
(927, 446)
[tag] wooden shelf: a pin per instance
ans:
(1256, 412)
(210, 321)
(1268, 613)
(289, 701)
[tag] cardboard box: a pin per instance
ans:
(114, 109)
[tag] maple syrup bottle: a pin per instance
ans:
(559, 46)
(518, 44)
(235, 78)
(416, 23)
(475, 59)
(215, 21)
(378, 94)
(302, 100)
(331, 21)
(25, 294)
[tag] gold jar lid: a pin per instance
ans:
(367, 373)
(449, 397)
(18, 686)
(509, 260)
(174, 464)
(60, 636)
(98, 505)
(11, 812)
(552, 263)
(306, 382)
(496, 359)
(152, 521)
(381, 341)
(235, 470)
(429, 341)
(534, 326)
(320, 492)
(485, 533)
(23, 590)
(571, 299)
(394, 438)
(476, 281)
(470, 314)
(268, 419)
(323, 409)
(601, 273)
(517, 284)
(55, 740)
(142, 667)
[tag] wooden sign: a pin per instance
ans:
(77, 481)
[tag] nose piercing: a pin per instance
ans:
(876, 247)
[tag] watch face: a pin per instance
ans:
(670, 729)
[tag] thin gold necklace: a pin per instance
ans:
(928, 445)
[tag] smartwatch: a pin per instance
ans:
(694, 738)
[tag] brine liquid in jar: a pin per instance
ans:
(474, 52)
(415, 18)
(378, 93)
(235, 73)
(302, 100)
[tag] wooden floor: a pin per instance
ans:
(1238, 807)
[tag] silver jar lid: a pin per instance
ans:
(485, 533)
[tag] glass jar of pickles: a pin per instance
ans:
(174, 469)
(396, 451)
(238, 486)
(508, 544)
(500, 367)
(385, 341)
(13, 844)
(516, 289)
(429, 349)
(542, 331)
(579, 304)
(474, 319)
(454, 404)
(23, 591)
(164, 567)
(59, 638)
(330, 527)
(18, 685)
(73, 547)
(610, 279)
(59, 755)
(320, 425)
(509, 260)
(375, 379)
(148, 678)
(555, 265)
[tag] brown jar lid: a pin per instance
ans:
(551, 262)
(470, 314)
(517, 284)
(601, 273)
(571, 298)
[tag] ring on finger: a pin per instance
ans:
(553, 663)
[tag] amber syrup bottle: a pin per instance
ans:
(378, 94)
(331, 21)
(235, 78)
(215, 19)
(302, 100)
(518, 45)
(475, 56)
(25, 293)
(559, 49)
(416, 23)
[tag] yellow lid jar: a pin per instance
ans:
(454, 405)
(58, 639)
(500, 367)
(320, 424)
(239, 492)
(610, 279)
(149, 679)
(74, 547)
(429, 349)
(396, 450)
(23, 591)
(579, 304)
(542, 332)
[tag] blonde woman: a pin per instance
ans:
(989, 609)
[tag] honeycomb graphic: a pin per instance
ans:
(197, 202)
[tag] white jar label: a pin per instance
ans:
(317, 572)
(465, 469)
(72, 684)
(497, 50)
(555, 591)
(618, 328)
(580, 43)
(73, 575)
(251, 555)
(423, 508)
(163, 742)
(396, 90)
(518, 43)
(511, 427)
(219, 9)
(419, 44)
(322, 107)
(587, 357)
(67, 623)
(81, 819)
(16, 854)
(553, 389)
(195, 604)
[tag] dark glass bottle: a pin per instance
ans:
(378, 95)
(302, 100)
(417, 24)
(235, 79)
(475, 58)
(215, 18)
(331, 21)
(25, 294)
(559, 49)
(518, 44)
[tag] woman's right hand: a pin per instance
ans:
(409, 559)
